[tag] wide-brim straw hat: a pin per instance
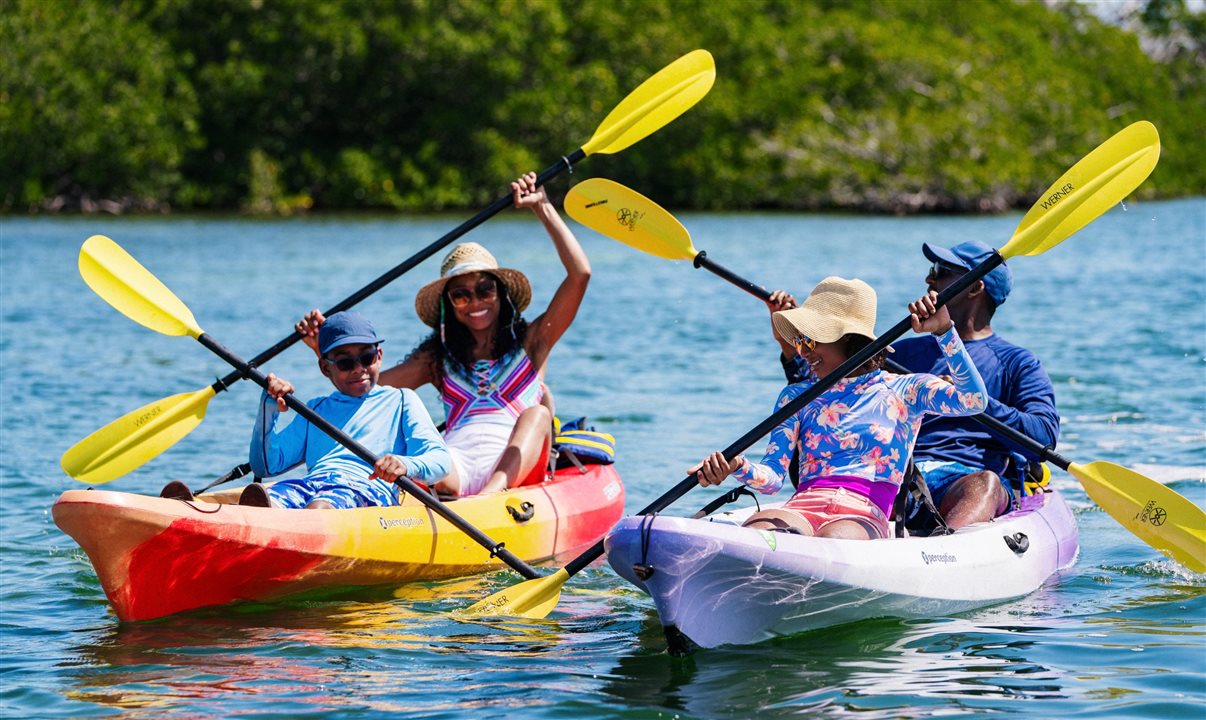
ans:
(470, 258)
(836, 307)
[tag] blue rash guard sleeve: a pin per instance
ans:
(276, 451)
(795, 368)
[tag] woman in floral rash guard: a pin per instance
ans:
(855, 439)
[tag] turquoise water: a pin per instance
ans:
(675, 363)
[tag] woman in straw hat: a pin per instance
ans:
(855, 439)
(486, 360)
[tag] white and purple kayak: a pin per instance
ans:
(717, 583)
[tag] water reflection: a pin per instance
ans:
(874, 668)
(313, 655)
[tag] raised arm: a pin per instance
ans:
(965, 394)
(795, 369)
(412, 373)
(547, 329)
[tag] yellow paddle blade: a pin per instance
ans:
(622, 214)
(1101, 180)
(664, 96)
(530, 599)
(1159, 516)
(131, 440)
(130, 288)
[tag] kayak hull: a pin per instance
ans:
(716, 583)
(156, 556)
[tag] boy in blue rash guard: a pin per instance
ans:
(391, 423)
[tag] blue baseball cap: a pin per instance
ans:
(968, 255)
(346, 328)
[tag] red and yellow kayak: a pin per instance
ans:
(155, 556)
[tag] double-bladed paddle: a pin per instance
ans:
(133, 439)
(1156, 514)
(1094, 184)
(132, 290)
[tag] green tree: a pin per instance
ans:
(274, 106)
(92, 108)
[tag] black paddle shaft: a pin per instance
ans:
(799, 402)
(703, 261)
(552, 171)
(495, 548)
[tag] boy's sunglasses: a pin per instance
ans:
(348, 364)
(486, 290)
(939, 269)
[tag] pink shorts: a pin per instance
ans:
(812, 509)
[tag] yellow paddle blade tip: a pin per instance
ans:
(1096, 183)
(531, 598)
(670, 92)
(625, 215)
(1155, 513)
(132, 290)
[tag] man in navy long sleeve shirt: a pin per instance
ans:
(968, 469)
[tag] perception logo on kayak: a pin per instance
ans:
(399, 522)
(628, 218)
(940, 558)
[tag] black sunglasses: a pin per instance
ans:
(939, 269)
(348, 364)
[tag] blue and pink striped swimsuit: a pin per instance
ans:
(496, 391)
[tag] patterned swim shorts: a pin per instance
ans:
(341, 492)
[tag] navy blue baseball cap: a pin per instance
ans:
(346, 328)
(968, 255)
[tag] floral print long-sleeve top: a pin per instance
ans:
(865, 426)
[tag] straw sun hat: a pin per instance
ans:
(469, 258)
(835, 307)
